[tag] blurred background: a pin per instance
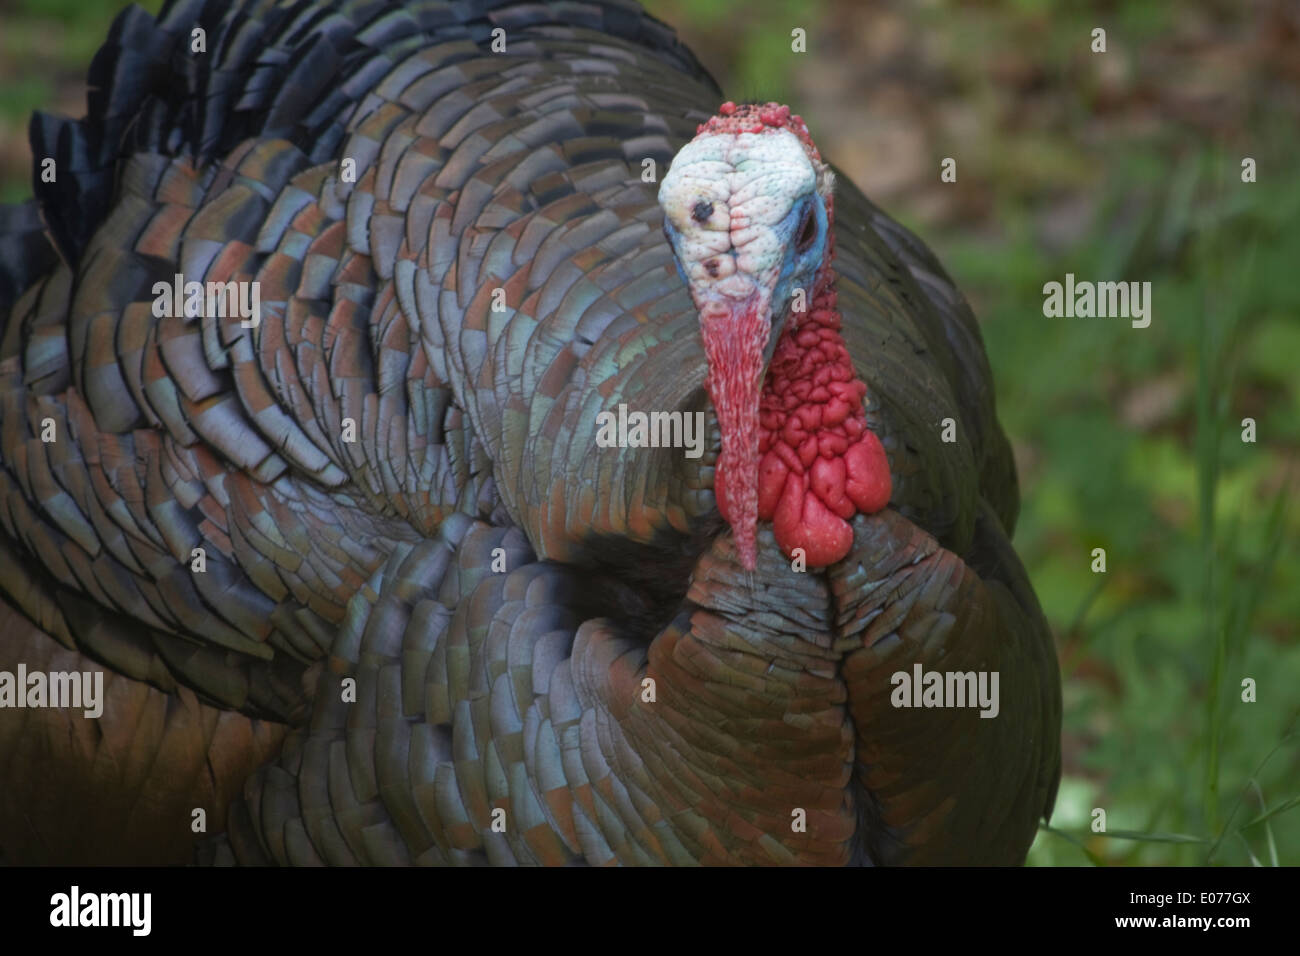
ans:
(1123, 165)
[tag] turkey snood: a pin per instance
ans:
(749, 212)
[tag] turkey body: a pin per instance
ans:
(364, 586)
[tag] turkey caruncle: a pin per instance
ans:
(363, 584)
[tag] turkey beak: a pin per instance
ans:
(738, 341)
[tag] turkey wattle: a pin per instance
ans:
(361, 581)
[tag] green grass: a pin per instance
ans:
(1200, 591)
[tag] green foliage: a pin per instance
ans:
(752, 36)
(1201, 587)
(23, 95)
(44, 34)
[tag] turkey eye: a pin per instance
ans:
(807, 231)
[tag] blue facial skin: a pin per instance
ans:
(799, 269)
(673, 234)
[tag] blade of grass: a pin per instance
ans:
(1246, 598)
(1287, 735)
(1268, 829)
(1142, 837)
(1207, 453)
(1075, 642)
(1133, 857)
(1269, 814)
(1071, 838)
(1254, 861)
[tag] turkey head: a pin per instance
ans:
(748, 211)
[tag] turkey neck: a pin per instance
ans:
(748, 731)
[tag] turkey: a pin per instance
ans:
(362, 583)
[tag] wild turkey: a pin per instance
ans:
(366, 587)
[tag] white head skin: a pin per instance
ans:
(728, 200)
(745, 210)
